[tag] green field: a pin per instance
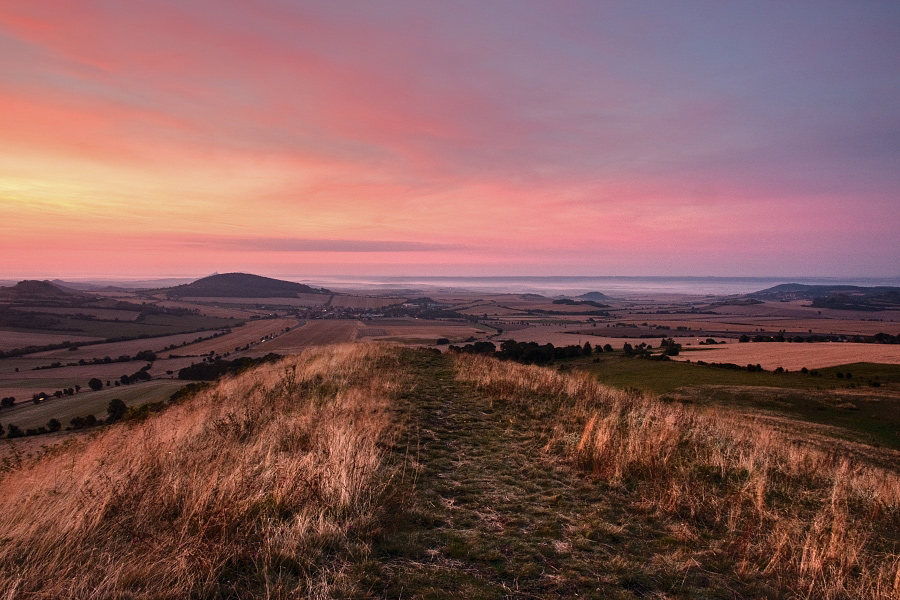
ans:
(662, 377)
(859, 410)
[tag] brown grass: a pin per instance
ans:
(819, 525)
(269, 485)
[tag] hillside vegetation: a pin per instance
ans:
(269, 485)
(373, 471)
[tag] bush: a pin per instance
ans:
(95, 384)
(116, 410)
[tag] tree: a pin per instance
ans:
(587, 350)
(670, 347)
(95, 384)
(54, 425)
(116, 410)
(607, 348)
(14, 432)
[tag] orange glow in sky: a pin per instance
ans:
(181, 138)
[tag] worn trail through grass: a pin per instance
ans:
(494, 515)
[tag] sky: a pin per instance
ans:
(183, 137)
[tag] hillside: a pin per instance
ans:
(241, 285)
(35, 290)
(374, 471)
(843, 297)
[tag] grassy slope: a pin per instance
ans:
(271, 485)
(366, 472)
(496, 516)
(860, 411)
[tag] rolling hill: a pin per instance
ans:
(842, 297)
(241, 285)
(35, 290)
(595, 296)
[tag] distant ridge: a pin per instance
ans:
(242, 285)
(78, 286)
(32, 288)
(841, 297)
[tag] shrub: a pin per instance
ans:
(116, 410)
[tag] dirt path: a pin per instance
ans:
(494, 516)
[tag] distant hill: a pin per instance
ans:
(843, 297)
(33, 289)
(242, 285)
(595, 296)
(76, 287)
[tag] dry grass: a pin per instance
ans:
(268, 485)
(818, 525)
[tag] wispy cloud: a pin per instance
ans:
(267, 244)
(581, 133)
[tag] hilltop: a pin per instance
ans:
(376, 471)
(242, 285)
(33, 289)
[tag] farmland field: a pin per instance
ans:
(315, 300)
(421, 331)
(796, 356)
(10, 340)
(109, 314)
(313, 333)
(250, 333)
(115, 349)
(152, 325)
(363, 302)
(23, 384)
(209, 311)
(64, 409)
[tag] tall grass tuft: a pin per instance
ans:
(269, 484)
(816, 524)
